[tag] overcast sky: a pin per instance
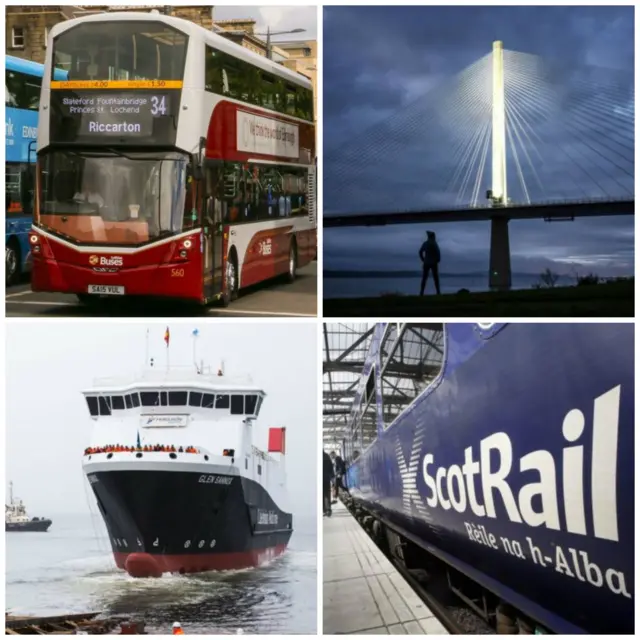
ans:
(380, 60)
(48, 424)
(276, 18)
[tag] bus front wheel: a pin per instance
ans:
(293, 263)
(12, 262)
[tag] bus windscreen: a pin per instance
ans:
(121, 51)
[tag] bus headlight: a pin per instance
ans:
(187, 244)
(34, 239)
(183, 254)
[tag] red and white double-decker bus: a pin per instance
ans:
(171, 162)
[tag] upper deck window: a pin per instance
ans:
(103, 403)
(237, 405)
(178, 398)
(195, 398)
(127, 50)
(222, 402)
(150, 398)
(238, 79)
(250, 404)
(117, 402)
(92, 403)
(207, 400)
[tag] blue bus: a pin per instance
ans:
(23, 79)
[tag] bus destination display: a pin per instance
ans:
(106, 115)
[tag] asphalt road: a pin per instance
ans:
(275, 298)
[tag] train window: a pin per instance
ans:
(207, 401)
(371, 386)
(414, 361)
(369, 424)
(237, 405)
(356, 431)
(117, 402)
(195, 399)
(368, 417)
(92, 403)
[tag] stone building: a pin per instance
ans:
(27, 27)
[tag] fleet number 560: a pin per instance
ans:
(177, 273)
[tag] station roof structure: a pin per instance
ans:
(345, 349)
(412, 357)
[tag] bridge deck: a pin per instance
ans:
(363, 592)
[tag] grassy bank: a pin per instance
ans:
(610, 299)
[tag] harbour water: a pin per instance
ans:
(70, 569)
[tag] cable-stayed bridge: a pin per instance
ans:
(513, 136)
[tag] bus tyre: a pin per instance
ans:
(293, 263)
(12, 263)
(231, 289)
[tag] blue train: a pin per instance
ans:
(505, 452)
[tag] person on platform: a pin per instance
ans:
(341, 471)
(327, 477)
(430, 256)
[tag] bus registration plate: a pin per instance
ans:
(106, 289)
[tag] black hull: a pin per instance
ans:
(40, 526)
(184, 522)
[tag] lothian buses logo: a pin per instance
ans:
(103, 261)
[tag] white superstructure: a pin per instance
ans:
(181, 409)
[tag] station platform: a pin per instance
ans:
(363, 592)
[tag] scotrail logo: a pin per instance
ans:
(454, 486)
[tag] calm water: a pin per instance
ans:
(70, 569)
(375, 286)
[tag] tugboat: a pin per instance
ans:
(16, 518)
(177, 478)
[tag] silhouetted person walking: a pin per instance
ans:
(430, 256)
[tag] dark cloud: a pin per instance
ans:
(388, 142)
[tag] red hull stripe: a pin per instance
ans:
(146, 565)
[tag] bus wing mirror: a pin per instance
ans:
(195, 168)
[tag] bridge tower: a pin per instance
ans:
(500, 258)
